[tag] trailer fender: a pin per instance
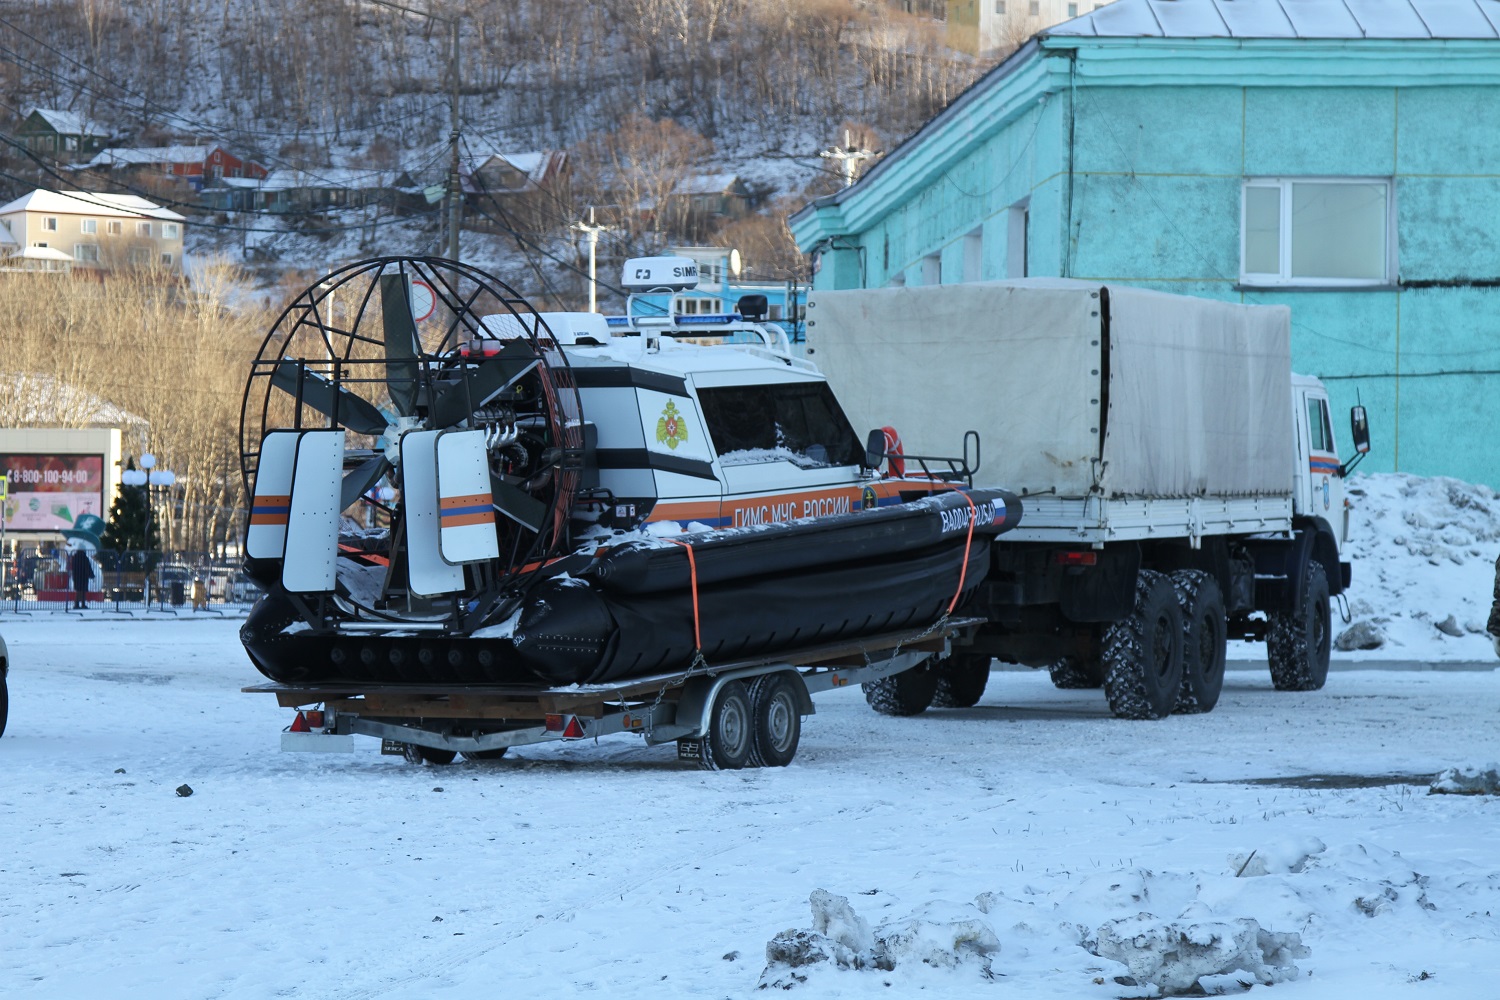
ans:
(696, 706)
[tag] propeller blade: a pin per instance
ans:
(400, 343)
(459, 400)
(354, 412)
(522, 508)
(358, 482)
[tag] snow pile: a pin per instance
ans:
(1258, 920)
(1468, 781)
(1423, 552)
(1175, 956)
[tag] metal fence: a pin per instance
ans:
(41, 579)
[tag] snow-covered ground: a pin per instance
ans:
(1033, 846)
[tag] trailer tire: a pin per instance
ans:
(728, 744)
(1205, 638)
(961, 680)
(428, 755)
(1071, 673)
(485, 756)
(1143, 652)
(908, 693)
(1298, 641)
(776, 715)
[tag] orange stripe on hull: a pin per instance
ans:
(462, 520)
(474, 500)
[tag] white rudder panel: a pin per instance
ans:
(466, 507)
(266, 537)
(428, 573)
(312, 530)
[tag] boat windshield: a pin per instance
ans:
(797, 422)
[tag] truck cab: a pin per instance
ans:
(1318, 475)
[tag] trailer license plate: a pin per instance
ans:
(689, 749)
(393, 748)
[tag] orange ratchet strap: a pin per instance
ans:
(693, 575)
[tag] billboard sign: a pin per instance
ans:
(49, 492)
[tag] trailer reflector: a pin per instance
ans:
(299, 724)
(1078, 558)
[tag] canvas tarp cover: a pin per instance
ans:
(1198, 392)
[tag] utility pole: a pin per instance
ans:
(848, 156)
(593, 232)
(455, 189)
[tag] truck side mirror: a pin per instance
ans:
(1359, 429)
(875, 449)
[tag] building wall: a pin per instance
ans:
(1142, 184)
(28, 229)
(986, 26)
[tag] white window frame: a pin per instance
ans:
(92, 257)
(1284, 277)
(49, 223)
(169, 230)
(166, 260)
(88, 227)
(143, 229)
(140, 256)
(114, 227)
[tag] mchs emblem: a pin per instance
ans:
(670, 429)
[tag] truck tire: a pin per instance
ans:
(1071, 673)
(961, 679)
(1205, 638)
(728, 743)
(1143, 652)
(907, 693)
(1298, 641)
(776, 717)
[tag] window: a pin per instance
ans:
(697, 306)
(140, 256)
(1317, 232)
(88, 226)
(169, 230)
(86, 253)
(1319, 430)
(797, 422)
(166, 260)
(70, 143)
(114, 227)
(41, 244)
(1017, 224)
(1035, 8)
(49, 223)
(932, 269)
(1072, 10)
(974, 255)
(775, 312)
(143, 229)
(1000, 7)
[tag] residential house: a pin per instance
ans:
(195, 165)
(718, 196)
(315, 190)
(984, 26)
(1338, 157)
(61, 135)
(513, 189)
(96, 230)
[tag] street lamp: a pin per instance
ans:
(148, 475)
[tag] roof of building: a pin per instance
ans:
(706, 184)
(41, 253)
(68, 122)
(89, 203)
(6, 240)
(338, 178)
(1402, 19)
(121, 156)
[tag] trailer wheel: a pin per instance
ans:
(483, 756)
(1143, 652)
(1298, 641)
(430, 755)
(1205, 635)
(906, 693)
(728, 743)
(776, 712)
(961, 679)
(1072, 673)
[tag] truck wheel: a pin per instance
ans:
(1297, 642)
(1205, 636)
(727, 744)
(1071, 674)
(1143, 652)
(906, 693)
(961, 679)
(776, 714)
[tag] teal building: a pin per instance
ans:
(1341, 157)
